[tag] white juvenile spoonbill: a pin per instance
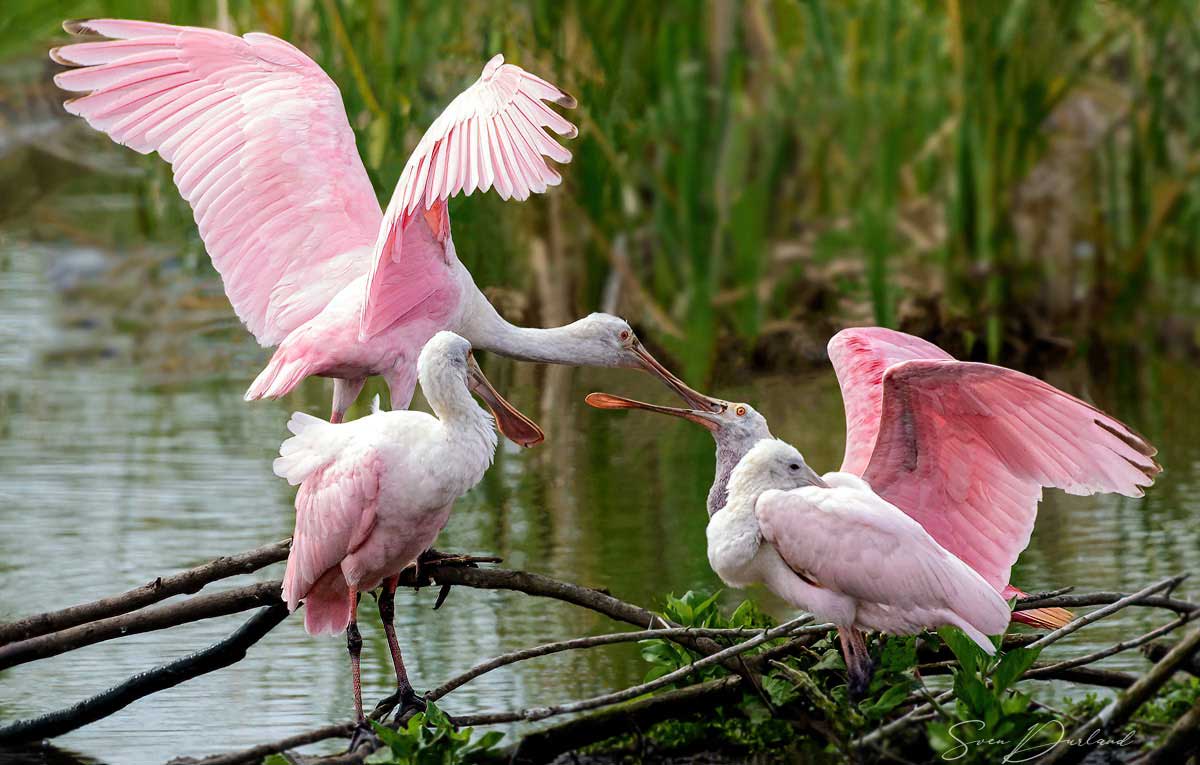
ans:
(963, 448)
(261, 149)
(832, 546)
(374, 494)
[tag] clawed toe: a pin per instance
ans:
(402, 700)
(363, 734)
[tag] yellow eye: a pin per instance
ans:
(740, 411)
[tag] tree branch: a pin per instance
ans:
(228, 651)
(148, 620)
(183, 583)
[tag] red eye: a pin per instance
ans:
(624, 334)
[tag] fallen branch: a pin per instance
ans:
(1083, 600)
(533, 714)
(1116, 648)
(595, 641)
(183, 583)
(1100, 613)
(148, 620)
(1122, 708)
(228, 651)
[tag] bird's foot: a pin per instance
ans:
(859, 679)
(362, 735)
(402, 700)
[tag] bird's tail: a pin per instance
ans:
(283, 372)
(1039, 618)
(328, 604)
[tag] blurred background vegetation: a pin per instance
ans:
(1011, 178)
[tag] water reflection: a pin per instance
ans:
(126, 452)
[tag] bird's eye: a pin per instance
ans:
(624, 334)
(740, 411)
(793, 466)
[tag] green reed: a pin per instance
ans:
(998, 170)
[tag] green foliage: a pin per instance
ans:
(429, 739)
(987, 715)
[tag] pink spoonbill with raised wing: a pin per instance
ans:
(964, 449)
(374, 494)
(257, 137)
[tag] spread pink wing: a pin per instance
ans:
(860, 356)
(258, 139)
(966, 448)
(877, 554)
(492, 135)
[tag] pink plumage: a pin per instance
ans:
(966, 448)
(261, 149)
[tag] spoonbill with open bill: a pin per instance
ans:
(962, 448)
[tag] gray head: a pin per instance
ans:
(736, 427)
(771, 464)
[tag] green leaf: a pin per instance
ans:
(780, 690)
(1012, 666)
(889, 700)
(964, 649)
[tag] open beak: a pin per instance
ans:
(700, 417)
(693, 399)
(515, 426)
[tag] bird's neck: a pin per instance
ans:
(457, 409)
(729, 454)
(489, 331)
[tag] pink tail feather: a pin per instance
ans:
(283, 372)
(328, 605)
(1041, 618)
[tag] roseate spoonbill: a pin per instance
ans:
(963, 448)
(261, 149)
(374, 494)
(832, 546)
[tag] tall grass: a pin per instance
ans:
(991, 171)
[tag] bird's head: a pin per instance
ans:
(771, 464)
(609, 341)
(447, 360)
(736, 427)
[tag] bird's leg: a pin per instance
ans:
(859, 666)
(405, 696)
(362, 731)
(344, 393)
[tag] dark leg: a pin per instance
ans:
(362, 731)
(859, 666)
(405, 696)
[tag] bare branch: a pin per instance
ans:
(1100, 613)
(1124, 645)
(183, 583)
(1120, 709)
(148, 620)
(228, 651)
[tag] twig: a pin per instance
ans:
(1033, 599)
(190, 610)
(255, 754)
(607, 699)
(228, 651)
(1100, 613)
(591, 642)
(1105, 598)
(183, 583)
(903, 721)
(1124, 645)
(1119, 710)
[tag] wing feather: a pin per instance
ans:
(481, 141)
(251, 127)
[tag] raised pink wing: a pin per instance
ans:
(966, 448)
(860, 356)
(491, 135)
(261, 149)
